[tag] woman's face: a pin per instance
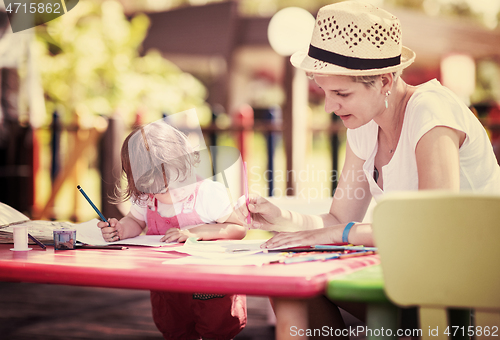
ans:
(355, 103)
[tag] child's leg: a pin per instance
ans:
(219, 316)
(173, 315)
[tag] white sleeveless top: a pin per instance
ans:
(431, 105)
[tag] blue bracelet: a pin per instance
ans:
(345, 234)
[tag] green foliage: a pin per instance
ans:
(90, 64)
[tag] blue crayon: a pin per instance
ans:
(92, 204)
(331, 247)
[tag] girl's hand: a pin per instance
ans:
(176, 235)
(265, 215)
(302, 238)
(111, 232)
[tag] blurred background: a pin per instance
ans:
(74, 87)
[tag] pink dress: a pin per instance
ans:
(192, 315)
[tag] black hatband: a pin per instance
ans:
(352, 63)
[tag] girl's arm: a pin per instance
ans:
(206, 232)
(127, 227)
(231, 229)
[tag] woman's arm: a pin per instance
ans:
(350, 203)
(353, 196)
(438, 161)
(438, 168)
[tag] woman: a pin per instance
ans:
(399, 137)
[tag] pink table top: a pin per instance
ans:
(142, 268)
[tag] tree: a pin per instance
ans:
(90, 64)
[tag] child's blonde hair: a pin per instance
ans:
(150, 155)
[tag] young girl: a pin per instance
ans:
(169, 199)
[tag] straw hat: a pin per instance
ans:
(353, 38)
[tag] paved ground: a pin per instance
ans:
(52, 312)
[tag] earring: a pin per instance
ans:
(387, 97)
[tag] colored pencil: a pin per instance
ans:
(37, 241)
(88, 246)
(331, 247)
(245, 185)
(92, 204)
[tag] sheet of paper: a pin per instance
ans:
(10, 215)
(42, 230)
(218, 249)
(89, 233)
(225, 245)
(210, 254)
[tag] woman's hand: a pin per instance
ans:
(112, 231)
(239, 214)
(301, 238)
(265, 215)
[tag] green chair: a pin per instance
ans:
(440, 251)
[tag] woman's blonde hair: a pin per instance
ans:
(152, 156)
(368, 81)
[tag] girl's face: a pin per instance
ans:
(355, 103)
(178, 191)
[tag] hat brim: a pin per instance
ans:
(303, 61)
